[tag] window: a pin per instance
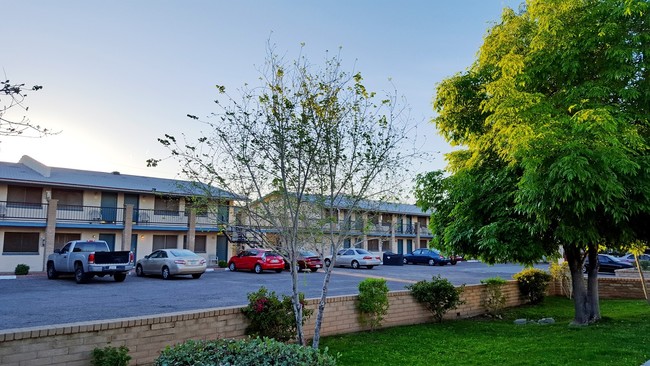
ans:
(199, 243)
(21, 243)
(62, 238)
(373, 245)
(165, 242)
(69, 199)
(19, 196)
(166, 206)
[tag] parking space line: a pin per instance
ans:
(373, 276)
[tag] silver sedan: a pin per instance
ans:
(355, 258)
(171, 262)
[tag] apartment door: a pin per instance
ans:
(222, 247)
(109, 239)
(409, 246)
(134, 245)
(109, 206)
(400, 246)
(133, 199)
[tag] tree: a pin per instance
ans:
(304, 143)
(553, 118)
(14, 96)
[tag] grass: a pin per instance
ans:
(621, 338)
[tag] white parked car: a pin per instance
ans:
(171, 262)
(355, 258)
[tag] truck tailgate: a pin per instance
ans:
(112, 257)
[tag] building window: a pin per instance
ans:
(165, 242)
(373, 245)
(62, 238)
(21, 243)
(166, 206)
(69, 199)
(199, 243)
(20, 196)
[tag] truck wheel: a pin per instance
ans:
(165, 273)
(79, 275)
(119, 277)
(51, 271)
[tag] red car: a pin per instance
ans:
(306, 260)
(257, 260)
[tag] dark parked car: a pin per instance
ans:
(306, 260)
(257, 260)
(428, 256)
(609, 263)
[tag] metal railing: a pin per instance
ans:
(23, 211)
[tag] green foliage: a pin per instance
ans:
(222, 263)
(373, 301)
(249, 352)
(561, 274)
(533, 283)
(271, 317)
(645, 265)
(21, 270)
(438, 295)
(110, 356)
(494, 300)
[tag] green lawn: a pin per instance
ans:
(621, 338)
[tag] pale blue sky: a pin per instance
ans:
(119, 74)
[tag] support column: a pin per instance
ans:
(191, 229)
(128, 227)
(393, 227)
(417, 234)
(50, 230)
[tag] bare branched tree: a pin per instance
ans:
(304, 144)
(12, 96)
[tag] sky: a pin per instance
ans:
(117, 75)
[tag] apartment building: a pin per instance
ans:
(43, 207)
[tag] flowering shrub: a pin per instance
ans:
(533, 283)
(271, 317)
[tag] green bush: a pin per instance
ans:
(494, 300)
(438, 295)
(21, 270)
(222, 264)
(373, 301)
(271, 317)
(249, 352)
(645, 265)
(110, 356)
(533, 283)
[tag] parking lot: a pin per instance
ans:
(36, 301)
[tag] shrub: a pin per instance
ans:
(110, 356)
(222, 263)
(271, 317)
(373, 301)
(251, 352)
(645, 265)
(21, 270)
(562, 275)
(533, 283)
(494, 300)
(438, 296)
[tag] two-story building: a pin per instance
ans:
(43, 207)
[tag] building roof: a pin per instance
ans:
(343, 202)
(31, 172)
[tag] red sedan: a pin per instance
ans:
(307, 260)
(257, 260)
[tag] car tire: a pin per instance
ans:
(405, 261)
(79, 275)
(369, 267)
(138, 271)
(119, 277)
(52, 274)
(165, 273)
(196, 276)
(431, 262)
(327, 262)
(232, 267)
(313, 269)
(355, 264)
(257, 269)
(453, 262)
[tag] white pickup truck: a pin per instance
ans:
(87, 259)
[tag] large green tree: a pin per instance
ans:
(552, 121)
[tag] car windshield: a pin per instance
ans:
(183, 253)
(307, 253)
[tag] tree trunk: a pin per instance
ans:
(321, 306)
(297, 306)
(592, 284)
(580, 298)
